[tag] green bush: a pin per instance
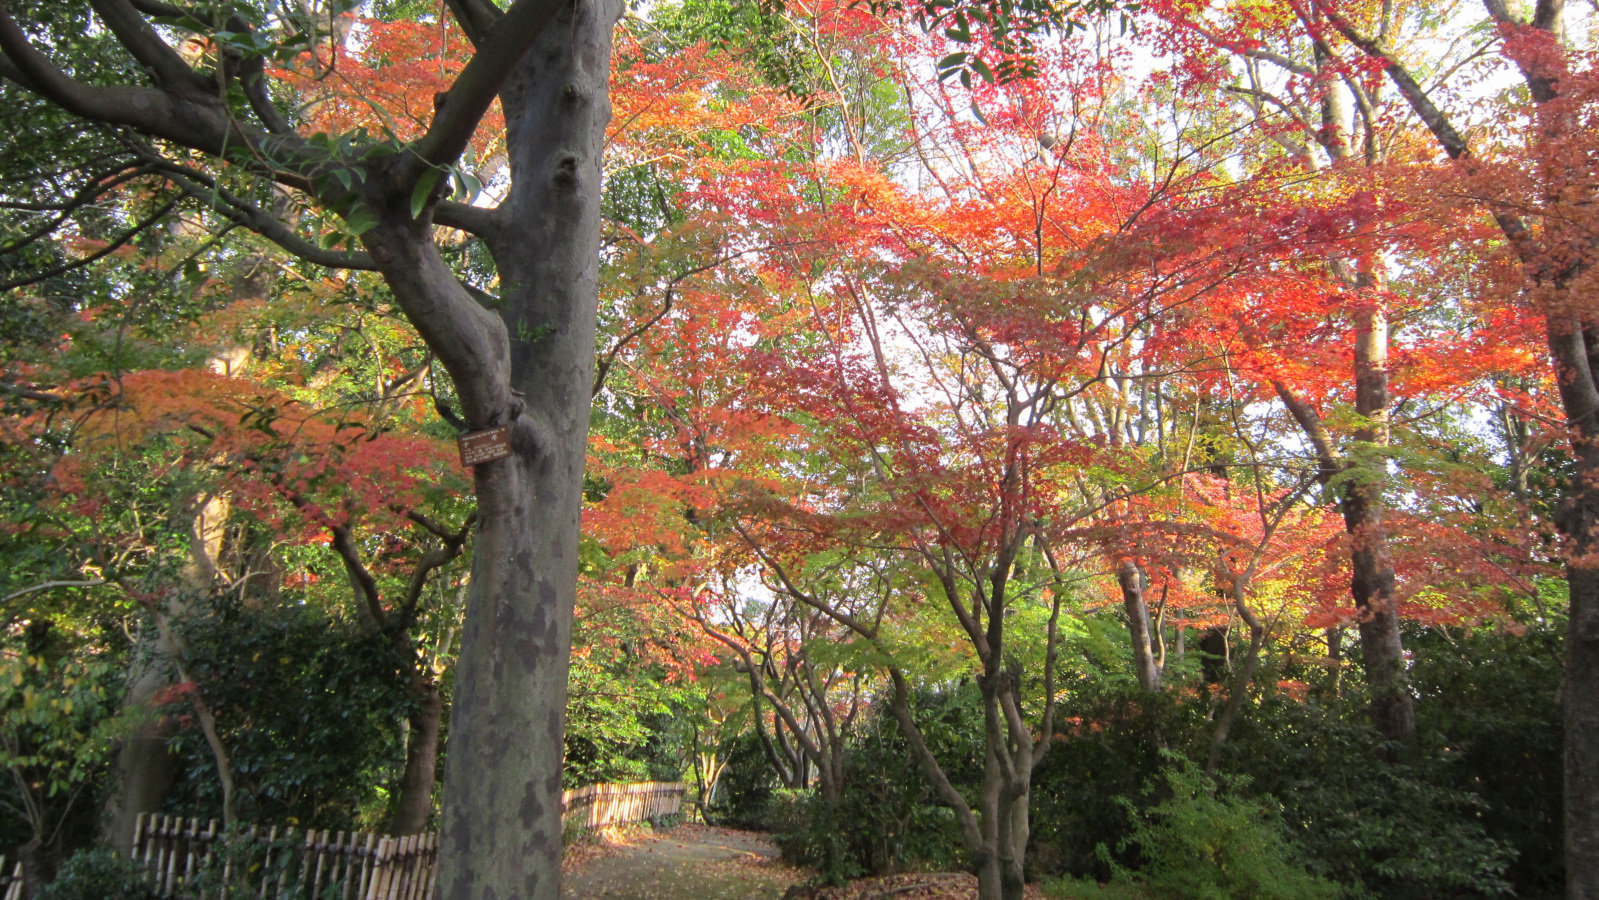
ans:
(1206, 842)
(1489, 705)
(98, 875)
(888, 818)
(814, 833)
(309, 708)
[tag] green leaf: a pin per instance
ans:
(423, 190)
(360, 221)
(950, 64)
(467, 186)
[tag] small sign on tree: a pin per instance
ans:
(484, 446)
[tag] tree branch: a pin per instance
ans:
(203, 188)
(134, 33)
(474, 220)
(475, 88)
(366, 587)
(107, 250)
(17, 390)
(1453, 143)
(49, 585)
(476, 17)
(97, 185)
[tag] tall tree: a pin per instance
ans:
(1549, 235)
(523, 360)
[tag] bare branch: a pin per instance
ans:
(103, 252)
(97, 186)
(49, 585)
(474, 220)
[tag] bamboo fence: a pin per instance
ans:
(183, 858)
(599, 805)
(10, 885)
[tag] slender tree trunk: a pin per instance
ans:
(1371, 569)
(415, 804)
(144, 767)
(1239, 691)
(1131, 578)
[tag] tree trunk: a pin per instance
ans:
(37, 870)
(1574, 355)
(1131, 578)
(501, 828)
(1371, 567)
(415, 804)
(1240, 687)
(1581, 694)
(144, 767)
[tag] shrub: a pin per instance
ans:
(98, 875)
(1205, 842)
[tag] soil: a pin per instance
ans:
(689, 862)
(694, 862)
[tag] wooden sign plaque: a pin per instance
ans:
(484, 446)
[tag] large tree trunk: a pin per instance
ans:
(501, 829)
(145, 769)
(144, 766)
(1581, 695)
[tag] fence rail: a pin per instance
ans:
(188, 859)
(10, 884)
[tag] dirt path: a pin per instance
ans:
(690, 862)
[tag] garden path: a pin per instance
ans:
(689, 862)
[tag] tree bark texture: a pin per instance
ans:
(501, 829)
(1131, 578)
(144, 767)
(1371, 580)
(415, 804)
(524, 361)
(1574, 351)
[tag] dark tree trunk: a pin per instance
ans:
(1213, 663)
(1573, 351)
(415, 804)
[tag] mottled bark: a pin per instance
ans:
(501, 829)
(524, 360)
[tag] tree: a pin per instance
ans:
(1552, 250)
(523, 360)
